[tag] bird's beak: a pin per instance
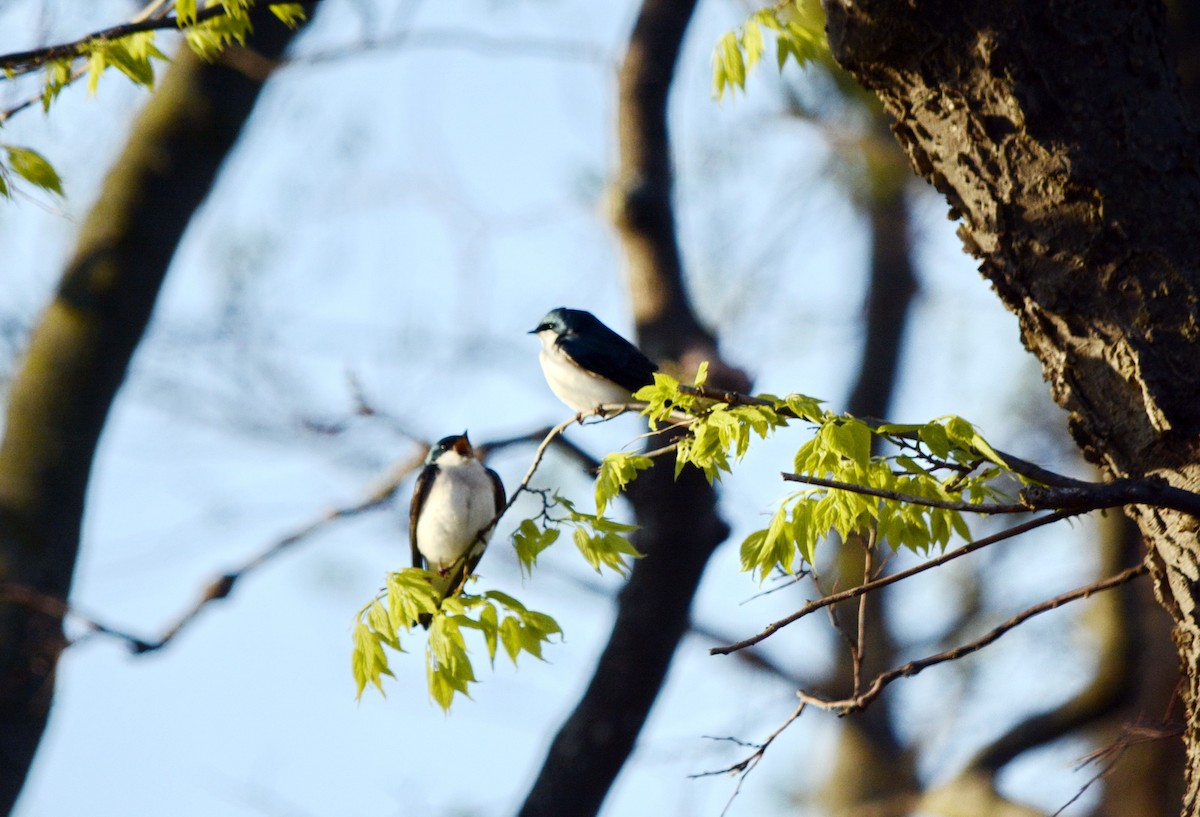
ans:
(463, 446)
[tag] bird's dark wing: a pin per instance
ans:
(420, 493)
(611, 356)
(497, 490)
(469, 567)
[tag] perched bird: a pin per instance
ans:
(587, 364)
(456, 497)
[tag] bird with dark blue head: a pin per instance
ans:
(455, 500)
(586, 364)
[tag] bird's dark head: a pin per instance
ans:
(455, 442)
(562, 321)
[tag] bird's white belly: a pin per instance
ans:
(458, 506)
(579, 389)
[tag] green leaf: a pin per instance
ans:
(367, 660)
(852, 439)
(411, 592)
(33, 167)
(508, 601)
(752, 43)
(804, 407)
(381, 624)
(936, 440)
(729, 71)
(185, 12)
(58, 76)
(209, 38)
(97, 62)
(605, 550)
(662, 398)
(447, 665)
(529, 541)
(616, 472)
(803, 535)
(292, 14)
(754, 554)
(490, 625)
(510, 637)
(136, 68)
(542, 623)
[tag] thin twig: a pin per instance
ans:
(747, 765)
(861, 640)
(1053, 491)
(788, 580)
(862, 700)
(892, 578)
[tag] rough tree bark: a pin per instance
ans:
(1059, 135)
(678, 519)
(77, 357)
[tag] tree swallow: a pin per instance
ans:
(587, 364)
(456, 497)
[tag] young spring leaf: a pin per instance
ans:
(367, 660)
(617, 470)
(529, 541)
(33, 167)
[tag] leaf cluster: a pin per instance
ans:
(718, 430)
(599, 539)
(130, 49)
(916, 490)
(30, 166)
(798, 27)
(412, 593)
(413, 596)
(912, 496)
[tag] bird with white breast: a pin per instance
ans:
(454, 502)
(586, 364)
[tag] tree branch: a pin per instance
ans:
(855, 592)
(1080, 497)
(912, 499)
(862, 700)
(23, 62)
(222, 586)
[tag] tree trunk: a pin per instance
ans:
(76, 360)
(679, 527)
(1059, 135)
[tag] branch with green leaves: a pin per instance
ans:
(412, 595)
(797, 27)
(915, 493)
(131, 49)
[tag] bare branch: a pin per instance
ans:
(466, 39)
(223, 585)
(862, 700)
